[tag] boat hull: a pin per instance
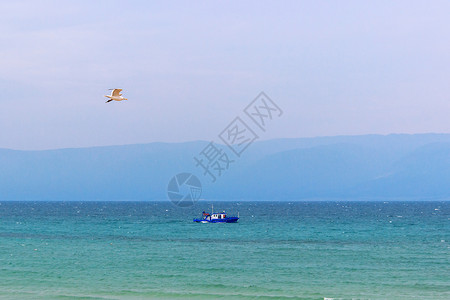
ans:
(226, 220)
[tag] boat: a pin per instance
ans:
(215, 217)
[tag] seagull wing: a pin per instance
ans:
(116, 92)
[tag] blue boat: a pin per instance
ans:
(216, 218)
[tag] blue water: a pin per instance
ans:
(278, 250)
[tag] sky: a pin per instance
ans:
(189, 68)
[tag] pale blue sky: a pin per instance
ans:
(190, 67)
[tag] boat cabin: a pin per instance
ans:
(214, 216)
(218, 216)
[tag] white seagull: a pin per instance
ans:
(115, 95)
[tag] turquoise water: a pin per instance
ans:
(299, 250)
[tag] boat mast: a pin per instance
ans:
(212, 209)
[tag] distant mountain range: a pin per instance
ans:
(366, 167)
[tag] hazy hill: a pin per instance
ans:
(356, 167)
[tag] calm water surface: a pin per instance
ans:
(278, 250)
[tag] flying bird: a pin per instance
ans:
(115, 95)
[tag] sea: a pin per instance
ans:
(277, 250)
